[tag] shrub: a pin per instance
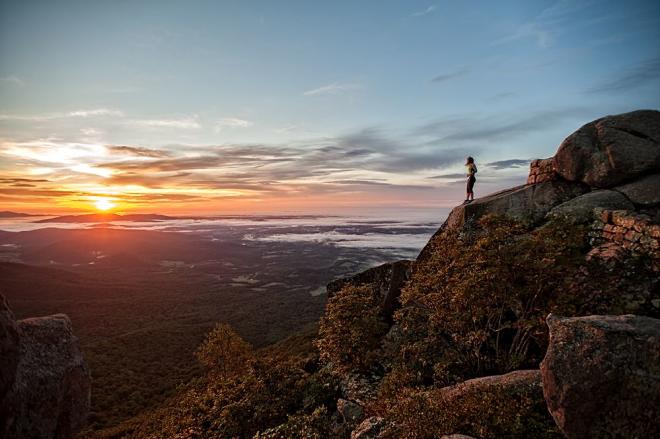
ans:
(492, 413)
(303, 426)
(351, 329)
(477, 305)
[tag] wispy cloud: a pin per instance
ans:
(61, 115)
(183, 123)
(15, 80)
(634, 77)
(471, 128)
(287, 129)
(550, 23)
(232, 122)
(331, 89)
(449, 176)
(501, 96)
(451, 75)
(137, 151)
(372, 161)
(426, 11)
(508, 164)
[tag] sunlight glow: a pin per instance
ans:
(104, 204)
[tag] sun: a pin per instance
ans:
(104, 204)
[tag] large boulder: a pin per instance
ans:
(50, 393)
(601, 376)
(611, 150)
(581, 209)
(386, 279)
(9, 355)
(350, 411)
(644, 191)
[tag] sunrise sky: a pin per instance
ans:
(256, 106)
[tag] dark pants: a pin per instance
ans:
(470, 183)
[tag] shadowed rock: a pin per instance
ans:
(49, 394)
(601, 376)
(386, 279)
(644, 191)
(9, 355)
(611, 150)
(581, 209)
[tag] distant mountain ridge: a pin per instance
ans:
(105, 217)
(10, 214)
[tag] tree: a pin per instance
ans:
(224, 352)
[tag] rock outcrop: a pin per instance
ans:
(581, 209)
(611, 150)
(626, 229)
(601, 376)
(9, 356)
(528, 203)
(351, 412)
(644, 192)
(541, 170)
(386, 279)
(611, 163)
(45, 376)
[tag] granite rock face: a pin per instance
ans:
(601, 376)
(49, 393)
(643, 192)
(611, 150)
(581, 209)
(528, 203)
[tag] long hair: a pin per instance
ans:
(469, 160)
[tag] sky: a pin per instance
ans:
(214, 107)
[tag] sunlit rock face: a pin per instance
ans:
(611, 150)
(45, 381)
(600, 376)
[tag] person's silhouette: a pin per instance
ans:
(471, 179)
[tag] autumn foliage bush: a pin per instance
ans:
(497, 413)
(351, 329)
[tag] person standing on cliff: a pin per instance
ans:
(471, 170)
